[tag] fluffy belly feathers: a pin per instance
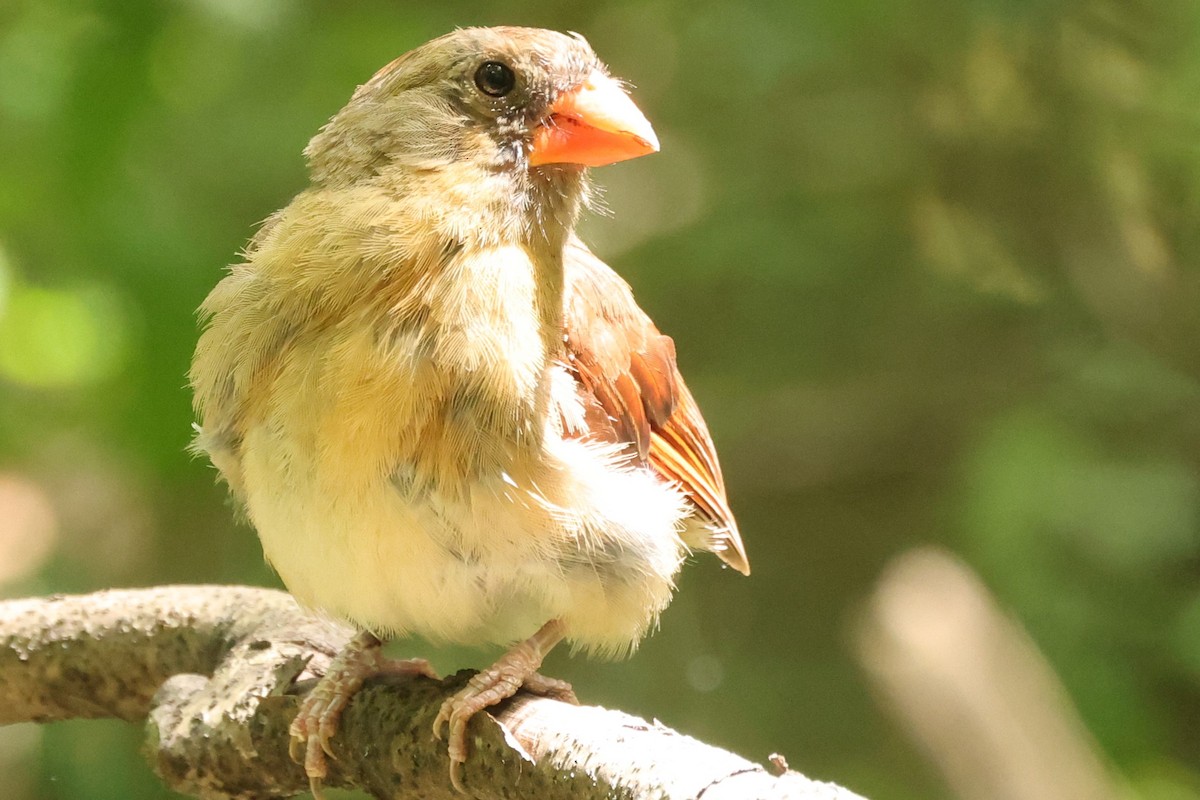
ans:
(443, 522)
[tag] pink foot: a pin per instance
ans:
(515, 669)
(317, 721)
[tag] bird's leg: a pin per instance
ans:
(515, 669)
(317, 721)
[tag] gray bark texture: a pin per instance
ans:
(216, 673)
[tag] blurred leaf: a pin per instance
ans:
(59, 338)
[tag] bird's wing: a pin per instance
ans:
(633, 394)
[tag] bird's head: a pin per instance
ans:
(516, 99)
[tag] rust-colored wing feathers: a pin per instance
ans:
(633, 394)
(653, 369)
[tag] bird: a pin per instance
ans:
(441, 412)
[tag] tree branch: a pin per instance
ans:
(215, 672)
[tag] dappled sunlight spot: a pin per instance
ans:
(1101, 67)
(965, 246)
(1145, 243)
(28, 531)
(705, 673)
(991, 95)
(1134, 204)
(252, 14)
(57, 338)
(995, 88)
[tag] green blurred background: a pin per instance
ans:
(931, 267)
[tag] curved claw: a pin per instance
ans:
(440, 722)
(486, 689)
(316, 724)
(516, 668)
(295, 745)
(456, 775)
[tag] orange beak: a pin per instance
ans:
(592, 125)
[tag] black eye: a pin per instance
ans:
(495, 79)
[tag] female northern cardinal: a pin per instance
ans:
(440, 411)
